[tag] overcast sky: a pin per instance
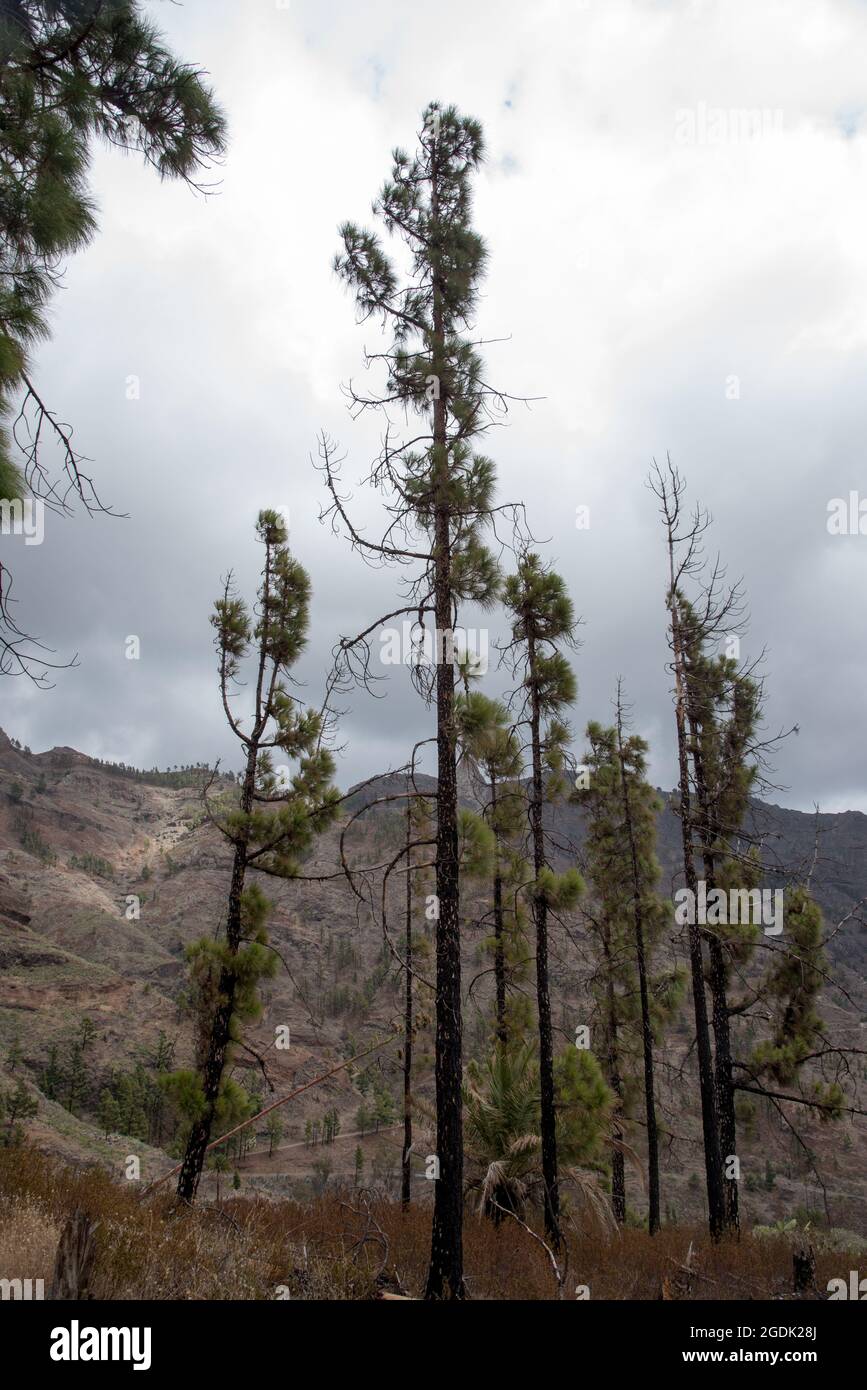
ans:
(669, 274)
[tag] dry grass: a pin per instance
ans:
(28, 1238)
(347, 1245)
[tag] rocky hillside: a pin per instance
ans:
(105, 878)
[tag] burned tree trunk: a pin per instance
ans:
(74, 1261)
(406, 1165)
(499, 944)
(548, 1114)
(646, 1023)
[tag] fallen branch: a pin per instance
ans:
(215, 1143)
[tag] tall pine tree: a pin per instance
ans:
(621, 809)
(439, 495)
(542, 617)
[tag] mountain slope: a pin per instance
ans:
(105, 878)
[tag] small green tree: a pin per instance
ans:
(277, 819)
(16, 1105)
(108, 1113)
(50, 1078)
(384, 1110)
(274, 1130)
(75, 1077)
(492, 749)
(791, 986)
(220, 1165)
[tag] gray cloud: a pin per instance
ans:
(633, 275)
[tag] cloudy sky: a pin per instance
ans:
(675, 204)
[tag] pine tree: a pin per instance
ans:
(668, 488)
(109, 1114)
(602, 801)
(439, 495)
(542, 616)
(718, 710)
(274, 1130)
(50, 1078)
(621, 809)
(70, 71)
(75, 1077)
(277, 818)
(16, 1105)
(418, 827)
(493, 750)
(791, 986)
(722, 708)
(220, 1165)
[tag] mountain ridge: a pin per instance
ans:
(78, 841)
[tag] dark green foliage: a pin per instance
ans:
(16, 1106)
(543, 621)
(791, 987)
(628, 919)
(31, 839)
(501, 1098)
(92, 864)
(279, 814)
(491, 749)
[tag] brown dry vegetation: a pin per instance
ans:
(348, 1245)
